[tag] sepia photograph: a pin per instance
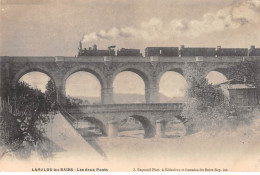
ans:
(138, 86)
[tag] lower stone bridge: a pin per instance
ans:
(153, 117)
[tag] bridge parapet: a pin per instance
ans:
(133, 107)
(122, 59)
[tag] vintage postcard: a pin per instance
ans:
(129, 86)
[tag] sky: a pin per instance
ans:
(54, 28)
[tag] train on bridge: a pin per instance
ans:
(181, 51)
(93, 51)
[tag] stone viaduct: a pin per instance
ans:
(149, 115)
(150, 69)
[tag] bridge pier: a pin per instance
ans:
(112, 128)
(107, 95)
(160, 128)
(152, 95)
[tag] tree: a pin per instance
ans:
(206, 94)
(29, 120)
(207, 106)
(245, 71)
(51, 95)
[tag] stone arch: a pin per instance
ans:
(79, 116)
(149, 130)
(141, 72)
(98, 123)
(159, 76)
(174, 68)
(28, 69)
(90, 69)
(182, 120)
(189, 126)
(223, 69)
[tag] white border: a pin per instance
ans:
(128, 173)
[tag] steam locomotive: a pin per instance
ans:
(93, 51)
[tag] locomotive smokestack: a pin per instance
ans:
(80, 45)
(94, 47)
(80, 48)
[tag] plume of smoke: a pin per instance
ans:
(227, 19)
(113, 33)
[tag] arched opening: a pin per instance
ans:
(172, 87)
(36, 80)
(34, 90)
(215, 77)
(83, 88)
(219, 80)
(175, 128)
(129, 87)
(87, 125)
(136, 126)
(91, 127)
